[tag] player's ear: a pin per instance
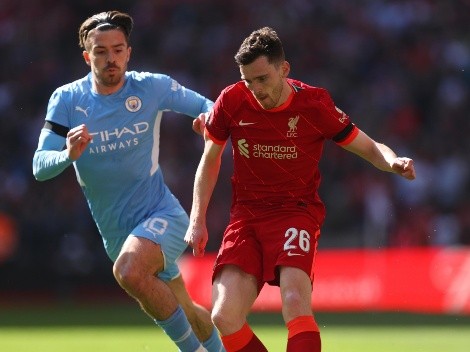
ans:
(285, 69)
(129, 50)
(86, 57)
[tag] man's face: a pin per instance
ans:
(265, 81)
(107, 54)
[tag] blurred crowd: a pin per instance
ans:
(400, 69)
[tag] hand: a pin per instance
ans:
(199, 123)
(78, 139)
(404, 167)
(196, 236)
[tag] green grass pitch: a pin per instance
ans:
(116, 329)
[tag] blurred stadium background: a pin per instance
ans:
(400, 69)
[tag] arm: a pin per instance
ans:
(185, 101)
(199, 123)
(204, 183)
(50, 159)
(190, 103)
(381, 156)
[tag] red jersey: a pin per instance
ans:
(276, 152)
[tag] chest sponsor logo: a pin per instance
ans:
(263, 151)
(118, 138)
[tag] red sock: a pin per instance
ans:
(304, 335)
(244, 340)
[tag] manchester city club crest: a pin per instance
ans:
(133, 103)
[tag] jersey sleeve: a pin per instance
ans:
(347, 135)
(50, 158)
(337, 125)
(181, 99)
(216, 124)
(57, 110)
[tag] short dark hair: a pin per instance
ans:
(104, 21)
(262, 42)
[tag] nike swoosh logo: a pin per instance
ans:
(290, 254)
(241, 123)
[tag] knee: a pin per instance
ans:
(225, 319)
(294, 304)
(292, 298)
(219, 320)
(125, 273)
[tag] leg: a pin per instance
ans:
(233, 294)
(198, 316)
(135, 269)
(296, 294)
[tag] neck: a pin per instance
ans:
(105, 89)
(285, 93)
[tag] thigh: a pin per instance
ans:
(140, 254)
(241, 249)
(167, 232)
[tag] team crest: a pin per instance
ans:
(292, 124)
(133, 103)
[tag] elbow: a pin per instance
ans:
(38, 175)
(39, 178)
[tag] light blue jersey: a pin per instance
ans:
(119, 172)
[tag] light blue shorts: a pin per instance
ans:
(167, 230)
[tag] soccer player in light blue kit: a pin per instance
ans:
(109, 124)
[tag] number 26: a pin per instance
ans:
(303, 239)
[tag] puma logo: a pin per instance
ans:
(79, 108)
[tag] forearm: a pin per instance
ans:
(50, 159)
(377, 154)
(49, 163)
(204, 184)
(382, 157)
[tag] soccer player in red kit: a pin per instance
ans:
(277, 127)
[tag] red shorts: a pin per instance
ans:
(259, 240)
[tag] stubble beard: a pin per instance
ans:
(111, 80)
(276, 96)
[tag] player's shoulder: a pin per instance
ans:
(234, 96)
(236, 92)
(79, 86)
(148, 76)
(309, 91)
(157, 80)
(234, 89)
(144, 75)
